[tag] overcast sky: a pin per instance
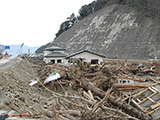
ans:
(34, 22)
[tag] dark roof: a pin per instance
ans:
(84, 51)
(56, 54)
(54, 48)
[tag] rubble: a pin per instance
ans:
(129, 86)
(52, 77)
(82, 91)
(148, 100)
(103, 76)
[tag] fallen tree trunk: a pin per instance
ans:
(127, 89)
(117, 102)
(130, 86)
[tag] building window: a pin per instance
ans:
(52, 61)
(59, 61)
(124, 81)
(95, 61)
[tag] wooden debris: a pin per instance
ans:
(155, 105)
(123, 87)
(117, 102)
(148, 100)
(150, 70)
(152, 79)
(80, 92)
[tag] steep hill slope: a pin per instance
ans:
(116, 31)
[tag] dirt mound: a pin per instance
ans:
(16, 92)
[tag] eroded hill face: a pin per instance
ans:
(116, 31)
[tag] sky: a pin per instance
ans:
(34, 22)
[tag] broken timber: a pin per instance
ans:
(113, 100)
(148, 100)
(129, 86)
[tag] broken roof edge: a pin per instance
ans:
(82, 52)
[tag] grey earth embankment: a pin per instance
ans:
(16, 96)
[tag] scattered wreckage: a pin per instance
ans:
(148, 100)
(123, 76)
(111, 90)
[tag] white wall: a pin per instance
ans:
(47, 60)
(120, 81)
(87, 56)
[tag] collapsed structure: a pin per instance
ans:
(148, 100)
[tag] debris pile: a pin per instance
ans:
(82, 88)
(80, 91)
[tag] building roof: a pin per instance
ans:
(84, 51)
(56, 54)
(54, 48)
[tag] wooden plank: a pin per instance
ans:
(137, 105)
(138, 100)
(146, 109)
(130, 85)
(155, 105)
(151, 89)
(151, 100)
(155, 89)
(114, 100)
(147, 98)
(152, 79)
(155, 113)
(158, 118)
(141, 92)
(127, 89)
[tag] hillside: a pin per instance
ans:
(116, 31)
